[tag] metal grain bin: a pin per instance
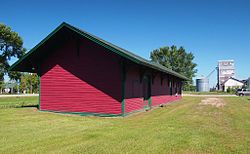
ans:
(202, 85)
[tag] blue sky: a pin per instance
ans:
(212, 30)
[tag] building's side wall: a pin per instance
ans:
(81, 78)
(133, 90)
(161, 90)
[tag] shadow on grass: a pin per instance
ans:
(19, 106)
(27, 106)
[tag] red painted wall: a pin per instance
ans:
(87, 78)
(159, 86)
(81, 79)
(160, 90)
(133, 90)
(163, 99)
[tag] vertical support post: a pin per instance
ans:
(39, 82)
(123, 79)
(170, 85)
(150, 102)
(181, 87)
(150, 81)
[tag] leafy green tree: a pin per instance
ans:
(2, 85)
(33, 81)
(24, 83)
(29, 82)
(178, 60)
(11, 45)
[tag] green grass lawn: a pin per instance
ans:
(180, 127)
(7, 102)
(209, 93)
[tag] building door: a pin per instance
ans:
(146, 85)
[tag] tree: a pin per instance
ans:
(176, 59)
(29, 82)
(33, 81)
(11, 45)
(2, 85)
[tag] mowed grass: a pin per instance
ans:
(180, 127)
(208, 93)
(7, 102)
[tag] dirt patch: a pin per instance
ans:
(217, 102)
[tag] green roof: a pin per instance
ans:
(120, 51)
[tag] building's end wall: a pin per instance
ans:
(83, 78)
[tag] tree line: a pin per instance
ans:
(11, 46)
(27, 83)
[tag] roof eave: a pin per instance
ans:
(14, 66)
(124, 55)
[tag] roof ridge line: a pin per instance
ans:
(116, 49)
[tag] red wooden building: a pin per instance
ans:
(81, 73)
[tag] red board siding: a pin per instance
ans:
(133, 104)
(133, 92)
(159, 86)
(161, 91)
(83, 80)
(157, 100)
